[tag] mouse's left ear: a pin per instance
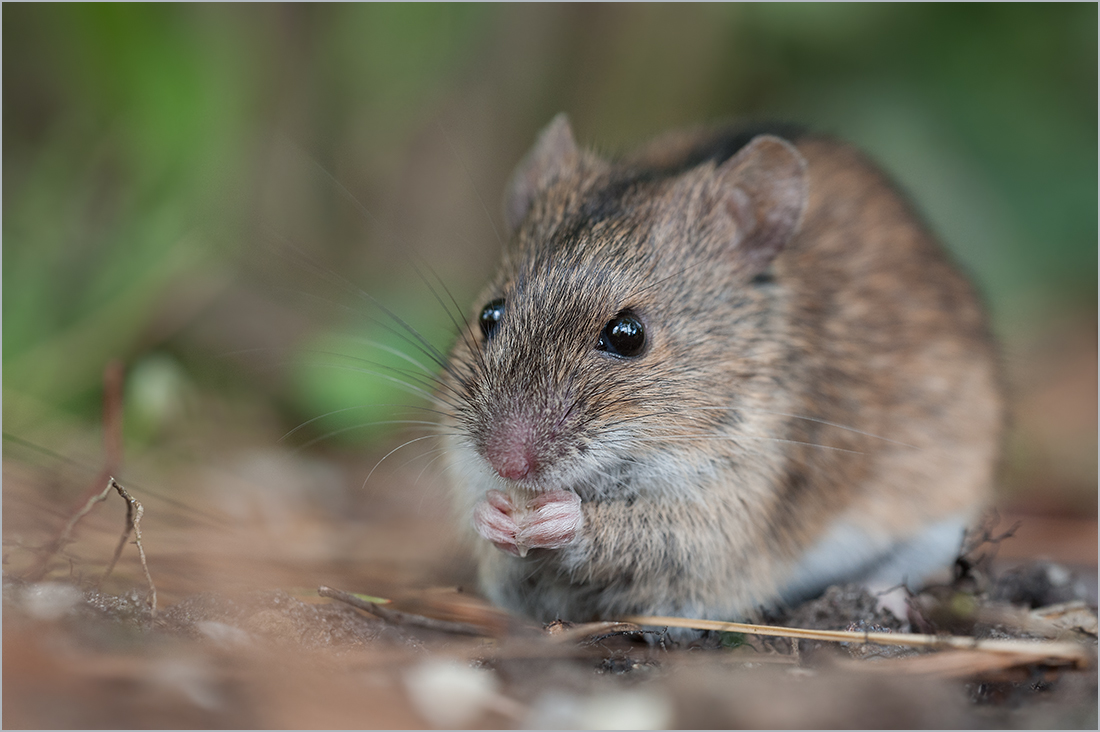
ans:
(554, 153)
(763, 190)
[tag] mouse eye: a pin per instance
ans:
(490, 317)
(624, 335)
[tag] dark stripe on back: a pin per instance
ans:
(728, 142)
(607, 201)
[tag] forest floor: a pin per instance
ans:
(241, 638)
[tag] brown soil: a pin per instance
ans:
(241, 638)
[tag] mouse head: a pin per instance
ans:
(607, 316)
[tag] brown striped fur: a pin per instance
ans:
(815, 368)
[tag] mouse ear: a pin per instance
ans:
(554, 152)
(763, 190)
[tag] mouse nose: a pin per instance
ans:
(514, 466)
(511, 450)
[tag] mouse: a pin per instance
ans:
(716, 374)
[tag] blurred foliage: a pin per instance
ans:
(189, 182)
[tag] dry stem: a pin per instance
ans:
(134, 512)
(1059, 652)
(398, 617)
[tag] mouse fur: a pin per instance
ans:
(817, 400)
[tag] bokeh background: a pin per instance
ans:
(205, 191)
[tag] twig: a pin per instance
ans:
(397, 617)
(130, 523)
(594, 632)
(134, 512)
(113, 378)
(968, 558)
(1037, 650)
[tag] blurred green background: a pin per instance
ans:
(198, 189)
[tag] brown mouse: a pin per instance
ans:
(720, 373)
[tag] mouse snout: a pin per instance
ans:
(512, 449)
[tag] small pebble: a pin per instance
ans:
(449, 694)
(191, 679)
(223, 634)
(50, 600)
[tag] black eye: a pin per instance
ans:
(490, 317)
(623, 336)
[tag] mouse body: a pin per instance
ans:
(717, 374)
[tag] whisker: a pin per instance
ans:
(378, 423)
(443, 453)
(428, 376)
(460, 323)
(413, 459)
(470, 178)
(411, 388)
(407, 332)
(342, 430)
(425, 346)
(396, 352)
(391, 452)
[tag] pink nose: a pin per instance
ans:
(514, 469)
(514, 464)
(511, 454)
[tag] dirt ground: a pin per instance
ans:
(238, 548)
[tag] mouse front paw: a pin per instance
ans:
(551, 520)
(493, 519)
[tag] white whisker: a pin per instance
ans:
(391, 452)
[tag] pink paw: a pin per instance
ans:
(548, 521)
(493, 520)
